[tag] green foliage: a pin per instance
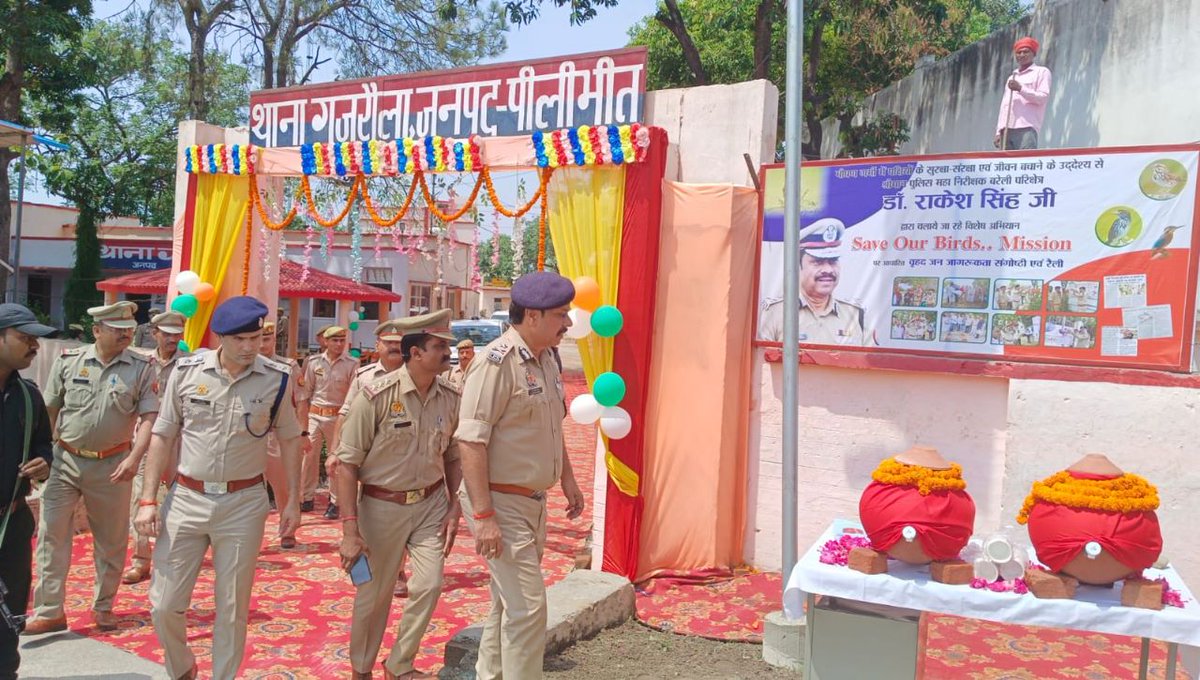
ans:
(506, 271)
(880, 136)
(521, 12)
(81, 286)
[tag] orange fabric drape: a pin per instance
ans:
(695, 476)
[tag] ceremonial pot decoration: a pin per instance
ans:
(916, 509)
(1093, 522)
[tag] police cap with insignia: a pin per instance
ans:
(543, 290)
(242, 314)
(391, 330)
(434, 323)
(268, 327)
(117, 315)
(333, 331)
(169, 322)
(19, 317)
(466, 343)
(823, 239)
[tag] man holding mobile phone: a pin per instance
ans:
(396, 441)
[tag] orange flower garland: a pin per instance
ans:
(926, 480)
(1125, 494)
(389, 223)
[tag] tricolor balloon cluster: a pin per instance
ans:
(192, 291)
(588, 315)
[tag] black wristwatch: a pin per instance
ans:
(304, 433)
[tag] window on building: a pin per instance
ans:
(324, 309)
(38, 293)
(373, 309)
(419, 296)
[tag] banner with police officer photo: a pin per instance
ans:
(1068, 256)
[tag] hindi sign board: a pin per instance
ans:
(135, 255)
(501, 99)
(1074, 256)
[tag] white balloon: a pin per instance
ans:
(581, 323)
(615, 422)
(186, 281)
(585, 410)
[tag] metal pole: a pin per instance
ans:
(16, 263)
(793, 110)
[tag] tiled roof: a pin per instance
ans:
(319, 284)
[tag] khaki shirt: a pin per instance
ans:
(221, 421)
(326, 382)
(513, 403)
(365, 376)
(396, 440)
(458, 377)
(840, 324)
(162, 369)
(100, 403)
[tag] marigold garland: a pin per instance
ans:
(1128, 493)
(926, 480)
(249, 228)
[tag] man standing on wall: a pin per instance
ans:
(1023, 107)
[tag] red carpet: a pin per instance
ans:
(300, 614)
(956, 648)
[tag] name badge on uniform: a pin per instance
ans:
(401, 424)
(532, 386)
(200, 402)
(81, 381)
(525, 354)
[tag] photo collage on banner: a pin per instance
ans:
(1081, 257)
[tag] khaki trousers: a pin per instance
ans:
(276, 474)
(141, 544)
(320, 432)
(513, 643)
(107, 506)
(233, 525)
(389, 530)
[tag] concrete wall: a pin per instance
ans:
(1124, 73)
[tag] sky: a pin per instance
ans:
(550, 35)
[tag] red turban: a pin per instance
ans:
(1026, 42)
(1058, 533)
(944, 520)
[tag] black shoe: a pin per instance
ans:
(331, 512)
(306, 506)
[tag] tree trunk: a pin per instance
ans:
(6, 157)
(268, 76)
(11, 82)
(762, 39)
(672, 19)
(197, 74)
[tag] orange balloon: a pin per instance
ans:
(204, 292)
(587, 293)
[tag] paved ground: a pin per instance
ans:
(70, 656)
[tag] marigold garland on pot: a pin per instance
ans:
(1128, 493)
(926, 480)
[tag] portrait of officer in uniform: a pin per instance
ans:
(102, 404)
(824, 319)
(510, 438)
(221, 405)
(399, 473)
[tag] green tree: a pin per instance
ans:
(502, 270)
(506, 270)
(82, 292)
(40, 62)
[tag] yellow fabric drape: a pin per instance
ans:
(587, 212)
(221, 203)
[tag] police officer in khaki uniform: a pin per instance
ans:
(167, 331)
(466, 354)
(510, 436)
(276, 476)
(397, 442)
(221, 405)
(824, 320)
(327, 378)
(95, 396)
(143, 337)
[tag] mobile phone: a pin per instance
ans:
(360, 573)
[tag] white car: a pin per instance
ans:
(502, 317)
(479, 331)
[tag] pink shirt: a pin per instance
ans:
(1028, 105)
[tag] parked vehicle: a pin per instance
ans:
(479, 331)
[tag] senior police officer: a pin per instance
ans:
(397, 442)
(25, 456)
(221, 405)
(824, 320)
(510, 436)
(327, 378)
(95, 395)
(466, 354)
(167, 331)
(276, 475)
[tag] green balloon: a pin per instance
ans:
(183, 346)
(362, 315)
(355, 353)
(185, 305)
(609, 389)
(607, 321)
(353, 325)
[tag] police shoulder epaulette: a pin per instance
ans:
(368, 368)
(447, 384)
(380, 384)
(276, 365)
(191, 360)
(73, 352)
(497, 352)
(138, 356)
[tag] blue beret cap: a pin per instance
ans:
(543, 290)
(242, 314)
